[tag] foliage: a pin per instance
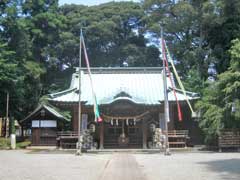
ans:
(19, 75)
(5, 143)
(197, 32)
(182, 25)
(113, 34)
(220, 104)
(193, 81)
(23, 145)
(8, 67)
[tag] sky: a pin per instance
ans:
(89, 2)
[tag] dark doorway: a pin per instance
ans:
(123, 134)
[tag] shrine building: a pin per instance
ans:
(131, 100)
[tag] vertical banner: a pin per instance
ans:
(161, 121)
(84, 121)
(95, 103)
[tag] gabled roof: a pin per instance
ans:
(49, 109)
(139, 85)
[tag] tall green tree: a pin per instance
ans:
(220, 104)
(181, 23)
(222, 30)
(113, 33)
(20, 76)
(44, 26)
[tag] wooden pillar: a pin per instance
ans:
(172, 119)
(101, 135)
(144, 131)
(75, 118)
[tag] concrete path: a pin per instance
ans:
(27, 165)
(122, 166)
(60, 165)
(190, 166)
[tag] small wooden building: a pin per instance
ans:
(131, 101)
(44, 123)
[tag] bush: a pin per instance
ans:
(23, 145)
(5, 143)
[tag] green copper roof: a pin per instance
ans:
(51, 110)
(139, 85)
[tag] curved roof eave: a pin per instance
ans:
(132, 100)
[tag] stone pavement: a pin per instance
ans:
(122, 166)
(60, 165)
(191, 166)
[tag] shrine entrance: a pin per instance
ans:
(123, 126)
(123, 133)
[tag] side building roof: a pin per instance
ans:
(139, 85)
(49, 109)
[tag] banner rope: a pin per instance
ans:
(178, 78)
(95, 104)
(171, 80)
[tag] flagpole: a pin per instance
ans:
(79, 144)
(166, 104)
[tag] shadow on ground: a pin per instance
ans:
(47, 151)
(227, 169)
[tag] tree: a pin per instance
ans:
(8, 74)
(19, 75)
(21, 81)
(224, 28)
(220, 104)
(113, 34)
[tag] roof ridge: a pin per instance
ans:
(115, 70)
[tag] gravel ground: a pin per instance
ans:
(193, 166)
(27, 165)
(22, 165)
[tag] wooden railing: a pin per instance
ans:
(67, 134)
(67, 139)
(229, 139)
(178, 138)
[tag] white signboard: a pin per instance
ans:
(48, 123)
(35, 123)
(44, 123)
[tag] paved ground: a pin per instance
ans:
(191, 166)
(26, 165)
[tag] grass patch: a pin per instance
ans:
(5, 143)
(23, 145)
